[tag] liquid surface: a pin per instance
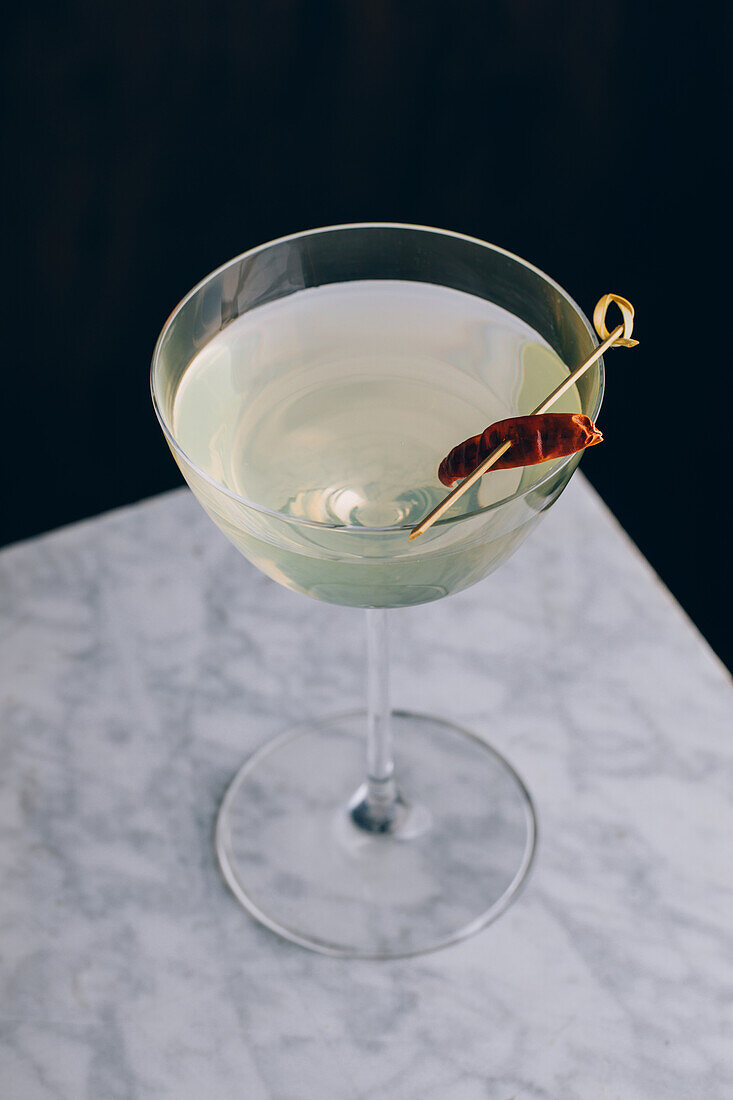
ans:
(337, 404)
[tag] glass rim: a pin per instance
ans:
(345, 527)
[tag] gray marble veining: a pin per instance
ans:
(142, 659)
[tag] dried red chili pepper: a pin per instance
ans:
(534, 439)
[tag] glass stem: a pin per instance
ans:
(380, 764)
(377, 804)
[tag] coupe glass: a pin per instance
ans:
(328, 835)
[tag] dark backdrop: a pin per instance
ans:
(152, 142)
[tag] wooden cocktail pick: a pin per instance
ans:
(620, 337)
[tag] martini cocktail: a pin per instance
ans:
(308, 391)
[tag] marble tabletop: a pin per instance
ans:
(142, 659)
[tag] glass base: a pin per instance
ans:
(292, 850)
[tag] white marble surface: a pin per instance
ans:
(142, 659)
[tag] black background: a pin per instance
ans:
(150, 143)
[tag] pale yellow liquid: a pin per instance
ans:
(335, 405)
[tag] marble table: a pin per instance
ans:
(142, 659)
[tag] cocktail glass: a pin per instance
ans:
(328, 835)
